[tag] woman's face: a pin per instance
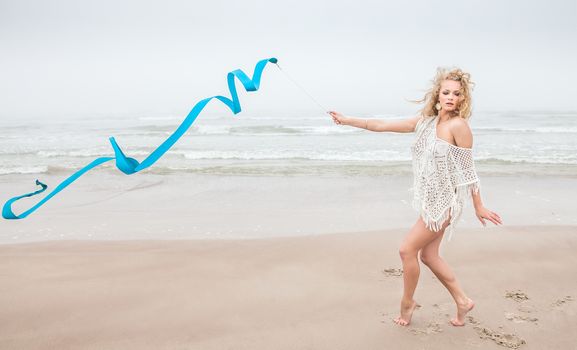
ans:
(450, 95)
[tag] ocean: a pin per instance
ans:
(299, 144)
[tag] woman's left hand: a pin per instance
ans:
(484, 213)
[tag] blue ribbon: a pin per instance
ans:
(130, 165)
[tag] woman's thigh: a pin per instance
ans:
(420, 236)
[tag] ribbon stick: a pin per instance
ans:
(130, 165)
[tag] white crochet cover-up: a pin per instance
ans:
(444, 176)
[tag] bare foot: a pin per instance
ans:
(462, 310)
(406, 313)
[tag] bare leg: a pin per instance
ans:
(418, 237)
(430, 257)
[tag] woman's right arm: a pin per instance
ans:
(377, 125)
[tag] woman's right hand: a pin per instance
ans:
(338, 118)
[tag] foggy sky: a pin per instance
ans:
(83, 58)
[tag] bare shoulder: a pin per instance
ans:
(461, 132)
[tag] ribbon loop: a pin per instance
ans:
(130, 165)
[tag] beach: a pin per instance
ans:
(278, 231)
(216, 262)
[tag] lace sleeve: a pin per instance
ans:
(462, 168)
(464, 178)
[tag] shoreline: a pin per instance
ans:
(147, 206)
(304, 168)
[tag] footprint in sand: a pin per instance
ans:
(562, 301)
(516, 295)
(393, 272)
(526, 309)
(472, 320)
(507, 340)
(520, 318)
(432, 328)
(436, 306)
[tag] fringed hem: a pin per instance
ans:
(465, 192)
(460, 200)
(475, 186)
(453, 211)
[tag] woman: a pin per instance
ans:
(444, 176)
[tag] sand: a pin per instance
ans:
(335, 291)
(151, 262)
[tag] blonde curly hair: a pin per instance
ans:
(432, 96)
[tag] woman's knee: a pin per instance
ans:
(407, 252)
(428, 258)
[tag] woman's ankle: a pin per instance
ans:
(463, 301)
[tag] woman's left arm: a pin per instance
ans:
(464, 138)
